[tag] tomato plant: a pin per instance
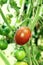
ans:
(21, 25)
(22, 35)
(20, 54)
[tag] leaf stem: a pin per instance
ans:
(4, 58)
(21, 10)
(28, 54)
(5, 20)
(33, 57)
(23, 21)
(35, 20)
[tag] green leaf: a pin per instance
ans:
(3, 2)
(1, 31)
(8, 18)
(40, 47)
(36, 52)
(14, 5)
(21, 2)
(40, 2)
(41, 63)
(41, 32)
(38, 55)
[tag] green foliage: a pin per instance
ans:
(29, 14)
(3, 2)
(14, 5)
(3, 44)
(40, 48)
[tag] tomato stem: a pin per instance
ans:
(29, 8)
(5, 20)
(4, 58)
(35, 20)
(34, 61)
(21, 10)
(28, 54)
(33, 57)
(24, 21)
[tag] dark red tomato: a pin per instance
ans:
(22, 35)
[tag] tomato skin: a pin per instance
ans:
(22, 35)
(3, 45)
(20, 63)
(20, 54)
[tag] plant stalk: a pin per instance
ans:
(28, 54)
(5, 20)
(35, 20)
(4, 58)
(21, 10)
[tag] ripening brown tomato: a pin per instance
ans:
(22, 35)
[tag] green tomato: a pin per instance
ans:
(20, 63)
(20, 54)
(6, 31)
(3, 44)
